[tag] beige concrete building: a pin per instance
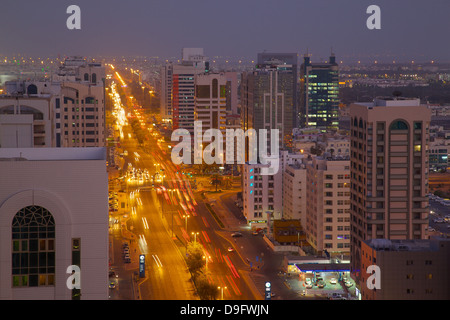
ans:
(66, 111)
(210, 101)
(53, 214)
(389, 172)
(409, 269)
(328, 205)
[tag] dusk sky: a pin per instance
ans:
(410, 29)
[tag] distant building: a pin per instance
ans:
(53, 214)
(265, 58)
(319, 94)
(267, 99)
(178, 88)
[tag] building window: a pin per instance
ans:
(33, 248)
(399, 125)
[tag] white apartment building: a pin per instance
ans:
(66, 111)
(53, 214)
(263, 194)
(294, 192)
(328, 205)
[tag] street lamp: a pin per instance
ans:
(221, 289)
(195, 236)
(206, 259)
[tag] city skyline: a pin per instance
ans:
(410, 30)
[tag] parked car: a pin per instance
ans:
(236, 234)
(333, 281)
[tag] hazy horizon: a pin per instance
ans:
(410, 29)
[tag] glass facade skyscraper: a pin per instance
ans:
(319, 94)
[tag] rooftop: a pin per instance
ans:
(52, 154)
(404, 245)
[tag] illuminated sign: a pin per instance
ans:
(142, 266)
(268, 293)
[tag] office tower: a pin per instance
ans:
(389, 172)
(53, 214)
(267, 99)
(265, 58)
(319, 94)
(232, 93)
(328, 205)
(66, 111)
(409, 269)
(210, 101)
(166, 92)
(178, 83)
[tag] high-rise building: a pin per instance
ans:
(178, 88)
(328, 205)
(210, 101)
(267, 99)
(319, 94)
(389, 172)
(289, 59)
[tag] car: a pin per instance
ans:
(236, 234)
(321, 284)
(255, 233)
(348, 284)
(309, 286)
(333, 281)
(112, 285)
(334, 296)
(112, 274)
(308, 281)
(230, 249)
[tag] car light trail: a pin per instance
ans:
(158, 262)
(205, 235)
(231, 266)
(233, 285)
(205, 222)
(144, 221)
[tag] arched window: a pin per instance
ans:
(94, 78)
(399, 125)
(86, 77)
(355, 122)
(32, 89)
(33, 248)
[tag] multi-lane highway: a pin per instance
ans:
(165, 216)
